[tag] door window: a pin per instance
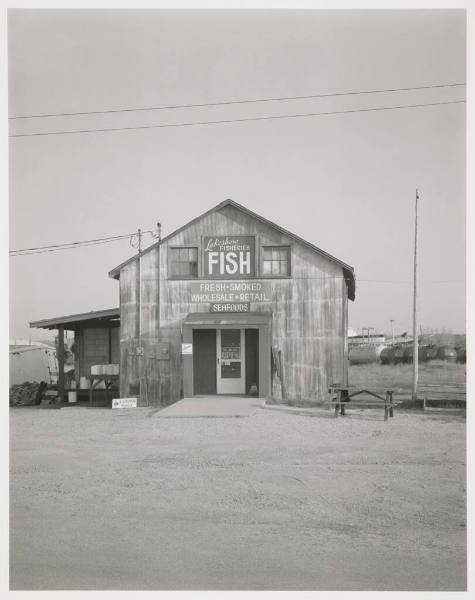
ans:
(230, 354)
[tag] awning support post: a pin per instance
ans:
(61, 363)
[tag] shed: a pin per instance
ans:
(232, 303)
(96, 339)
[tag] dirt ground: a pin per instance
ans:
(105, 499)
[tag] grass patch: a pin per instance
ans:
(399, 377)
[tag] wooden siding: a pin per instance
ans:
(129, 371)
(309, 314)
(93, 348)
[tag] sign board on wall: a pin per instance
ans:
(187, 348)
(229, 257)
(124, 403)
(230, 291)
(240, 307)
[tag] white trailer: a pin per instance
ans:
(33, 364)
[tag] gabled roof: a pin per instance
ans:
(348, 271)
(98, 318)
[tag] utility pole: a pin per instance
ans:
(367, 329)
(415, 352)
(136, 242)
(392, 330)
(139, 350)
(139, 278)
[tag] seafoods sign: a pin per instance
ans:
(240, 307)
(229, 257)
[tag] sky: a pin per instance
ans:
(344, 182)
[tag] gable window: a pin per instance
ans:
(183, 262)
(276, 261)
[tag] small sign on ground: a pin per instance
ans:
(124, 403)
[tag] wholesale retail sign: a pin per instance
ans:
(230, 292)
(229, 257)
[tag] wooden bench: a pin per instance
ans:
(341, 398)
(450, 395)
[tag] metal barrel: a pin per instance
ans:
(431, 352)
(462, 355)
(363, 355)
(447, 353)
(399, 355)
(387, 355)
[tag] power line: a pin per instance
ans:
(62, 248)
(232, 102)
(243, 120)
(71, 245)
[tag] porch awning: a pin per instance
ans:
(250, 318)
(98, 318)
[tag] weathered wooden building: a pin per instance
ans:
(231, 303)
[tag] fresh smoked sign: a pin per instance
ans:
(230, 292)
(229, 257)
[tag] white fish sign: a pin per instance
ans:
(229, 257)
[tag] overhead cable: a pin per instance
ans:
(72, 245)
(232, 102)
(242, 120)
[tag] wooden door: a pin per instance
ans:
(252, 360)
(204, 361)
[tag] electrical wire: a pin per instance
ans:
(63, 248)
(72, 245)
(243, 120)
(232, 102)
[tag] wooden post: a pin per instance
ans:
(138, 318)
(415, 352)
(389, 401)
(337, 408)
(110, 345)
(61, 363)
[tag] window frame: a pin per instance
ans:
(170, 263)
(263, 275)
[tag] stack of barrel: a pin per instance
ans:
(394, 355)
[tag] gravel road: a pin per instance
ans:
(105, 499)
